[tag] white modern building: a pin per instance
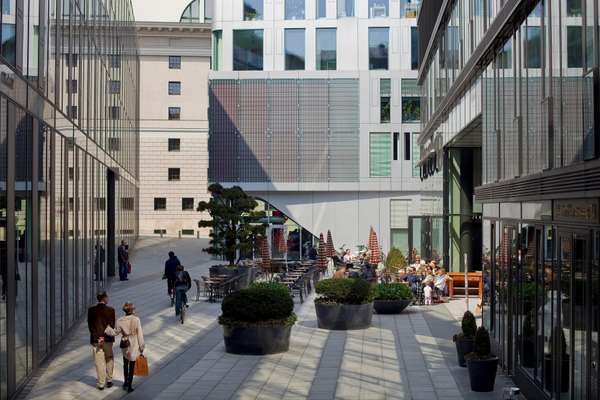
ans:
(314, 108)
(174, 50)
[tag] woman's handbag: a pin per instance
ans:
(124, 342)
(141, 366)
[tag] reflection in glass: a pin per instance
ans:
(253, 10)
(379, 39)
(3, 248)
(294, 49)
(294, 9)
(379, 8)
(248, 49)
(345, 8)
(326, 49)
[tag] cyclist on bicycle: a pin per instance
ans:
(183, 283)
(171, 272)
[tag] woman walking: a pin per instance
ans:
(132, 342)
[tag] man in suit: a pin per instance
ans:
(100, 317)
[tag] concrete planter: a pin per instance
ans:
(390, 306)
(464, 345)
(257, 339)
(482, 374)
(344, 316)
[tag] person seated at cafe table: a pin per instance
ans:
(341, 272)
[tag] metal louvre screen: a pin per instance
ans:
(284, 130)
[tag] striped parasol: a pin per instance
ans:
(322, 253)
(281, 241)
(374, 248)
(330, 248)
(265, 262)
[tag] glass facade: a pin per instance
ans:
(253, 10)
(379, 41)
(294, 49)
(379, 8)
(345, 8)
(380, 154)
(68, 168)
(326, 48)
(294, 9)
(248, 49)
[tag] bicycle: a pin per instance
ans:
(182, 306)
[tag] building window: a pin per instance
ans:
(294, 9)
(114, 87)
(248, 50)
(321, 11)
(72, 86)
(115, 61)
(574, 47)
(160, 231)
(414, 48)
(574, 8)
(72, 112)
(399, 239)
(533, 47)
(174, 113)
(396, 145)
(409, 8)
(416, 155)
(174, 174)
(253, 10)
(326, 49)
(187, 204)
(379, 8)
(72, 60)
(385, 93)
(217, 50)
(187, 232)
(8, 44)
(160, 203)
(294, 49)
(506, 56)
(100, 203)
(174, 144)
(127, 203)
(345, 8)
(174, 62)
(71, 173)
(378, 48)
(114, 112)
(406, 146)
(174, 88)
(411, 109)
(380, 155)
(114, 144)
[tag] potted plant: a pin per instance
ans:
(557, 335)
(344, 304)
(393, 262)
(465, 339)
(258, 320)
(392, 298)
(482, 364)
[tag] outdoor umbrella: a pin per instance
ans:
(281, 241)
(374, 248)
(330, 247)
(265, 263)
(322, 254)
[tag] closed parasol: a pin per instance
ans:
(374, 248)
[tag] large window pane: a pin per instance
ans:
(380, 155)
(379, 8)
(533, 47)
(294, 49)
(414, 48)
(217, 50)
(321, 11)
(411, 109)
(248, 49)
(326, 49)
(253, 10)
(573, 8)
(574, 47)
(378, 48)
(294, 9)
(409, 8)
(3, 248)
(345, 8)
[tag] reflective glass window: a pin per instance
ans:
(253, 10)
(345, 8)
(533, 47)
(321, 11)
(174, 144)
(378, 48)
(174, 88)
(409, 8)
(174, 113)
(217, 50)
(187, 204)
(294, 49)
(174, 62)
(248, 49)
(385, 92)
(411, 109)
(380, 154)
(574, 47)
(379, 8)
(326, 48)
(174, 174)
(414, 48)
(294, 9)
(160, 203)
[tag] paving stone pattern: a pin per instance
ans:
(406, 356)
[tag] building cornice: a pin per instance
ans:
(170, 28)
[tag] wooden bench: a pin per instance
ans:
(456, 283)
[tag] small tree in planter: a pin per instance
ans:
(392, 298)
(230, 210)
(465, 339)
(344, 304)
(394, 261)
(258, 320)
(482, 363)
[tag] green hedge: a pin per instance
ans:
(344, 291)
(264, 303)
(393, 291)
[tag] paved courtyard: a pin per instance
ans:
(407, 356)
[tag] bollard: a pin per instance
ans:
(179, 234)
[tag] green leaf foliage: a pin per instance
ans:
(394, 260)
(393, 291)
(261, 303)
(482, 345)
(344, 291)
(230, 210)
(468, 324)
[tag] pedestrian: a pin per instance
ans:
(123, 257)
(171, 272)
(99, 318)
(183, 283)
(428, 290)
(132, 342)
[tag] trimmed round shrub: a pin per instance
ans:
(260, 304)
(344, 291)
(393, 291)
(468, 324)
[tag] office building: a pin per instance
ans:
(314, 109)
(68, 168)
(510, 119)
(174, 50)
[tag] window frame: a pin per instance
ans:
(173, 85)
(160, 204)
(174, 174)
(183, 204)
(288, 63)
(171, 141)
(174, 62)
(171, 113)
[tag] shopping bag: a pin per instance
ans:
(128, 267)
(141, 366)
